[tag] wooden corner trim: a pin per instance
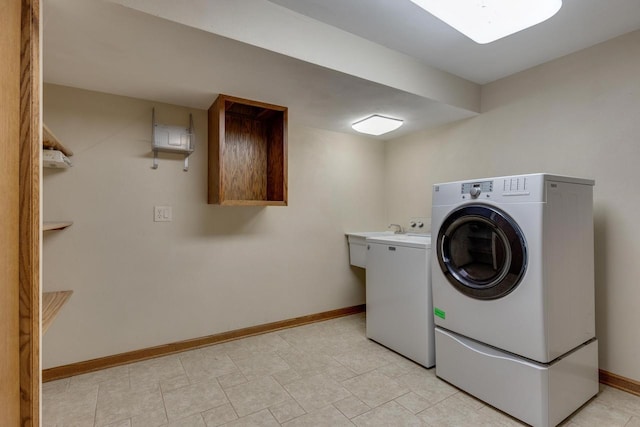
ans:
(620, 382)
(84, 367)
(29, 228)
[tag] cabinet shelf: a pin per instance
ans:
(50, 141)
(52, 302)
(55, 225)
(247, 153)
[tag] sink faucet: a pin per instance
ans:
(397, 226)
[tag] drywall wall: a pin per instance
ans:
(578, 115)
(139, 283)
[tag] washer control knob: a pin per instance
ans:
(475, 192)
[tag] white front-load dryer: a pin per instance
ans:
(513, 293)
(512, 262)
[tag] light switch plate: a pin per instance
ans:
(162, 214)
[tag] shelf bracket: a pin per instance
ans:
(172, 139)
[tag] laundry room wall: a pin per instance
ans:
(212, 269)
(578, 115)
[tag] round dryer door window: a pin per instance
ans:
(481, 251)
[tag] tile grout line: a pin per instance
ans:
(225, 391)
(95, 411)
(164, 403)
(192, 382)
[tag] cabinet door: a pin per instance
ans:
(398, 298)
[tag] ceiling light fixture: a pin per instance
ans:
(484, 21)
(376, 125)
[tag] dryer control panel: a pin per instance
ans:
(509, 186)
(483, 186)
(527, 188)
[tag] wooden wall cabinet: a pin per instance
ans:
(247, 153)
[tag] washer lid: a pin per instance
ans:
(422, 241)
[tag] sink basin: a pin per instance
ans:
(358, 245)
(410, 239)
(365, 234)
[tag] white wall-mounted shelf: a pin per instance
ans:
(172, 139)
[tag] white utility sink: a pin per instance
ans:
(358, 245)
(419, 238)
(398, 296)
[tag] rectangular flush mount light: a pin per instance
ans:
(484, 21)
(376, 125)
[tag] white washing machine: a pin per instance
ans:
(398, 295)
(513, 286)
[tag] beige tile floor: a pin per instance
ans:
(323, 374)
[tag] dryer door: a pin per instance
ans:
(481, 251)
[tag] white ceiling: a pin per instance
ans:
(405, 27)
(329, 61)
